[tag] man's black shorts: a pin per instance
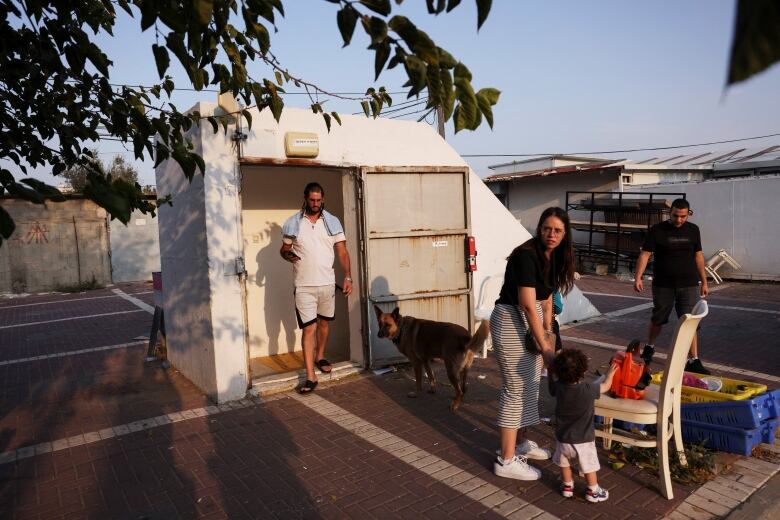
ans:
(667, 298)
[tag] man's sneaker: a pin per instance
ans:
(694, 365)
(600, 495)
(530, 450)
(516, 468)
(567, 490)
(647, 354)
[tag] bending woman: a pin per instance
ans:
(534, 270)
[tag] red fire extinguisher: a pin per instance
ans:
(471, 254)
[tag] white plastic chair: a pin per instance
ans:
(717, 261)
(660, 406)
(488, 293)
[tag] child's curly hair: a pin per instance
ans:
(570, 365)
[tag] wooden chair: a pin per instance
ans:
(488, 294)
(660, 406)
(717, 261)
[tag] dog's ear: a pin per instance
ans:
(396, 314)
(378, 312)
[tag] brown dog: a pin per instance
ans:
(422, 340)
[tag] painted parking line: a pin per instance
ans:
(71, 353)
(3, 307)
(660, 355)
(711, 306)
(135, 301)
(125, 429)
(494, 498)
(32, 323)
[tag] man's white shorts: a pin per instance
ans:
(565, 454)
(315, 302)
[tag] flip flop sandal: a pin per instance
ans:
(322, 363)
(307, 387)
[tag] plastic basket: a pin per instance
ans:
(749, 413)
(728, 438)
(732, 390)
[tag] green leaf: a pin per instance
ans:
(486, 98)
(336, 117)
(364, 104)
(756, 43)
(447, 93)
(204, 8)
(279, 78)
(161, 58)
(416, 69)
(376, 28)
(452, 4)
(382, 7)
(214, 123)
(483, 10)
(437, 8)
(380, 58)
(326, 116)
(48, 191)
(617, 465)
(277, 105)
(346, 19)
(248, 115)
(23, 192)
(7, 225)
(462, 72)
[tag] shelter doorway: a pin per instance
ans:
(270, 194)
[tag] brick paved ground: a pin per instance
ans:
(281, 459)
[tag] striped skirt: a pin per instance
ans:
(518, 404)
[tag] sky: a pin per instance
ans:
(575, 77)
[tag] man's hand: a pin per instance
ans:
(347, 287)
(704, 289)
(639, 286)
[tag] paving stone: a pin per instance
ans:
(708, 505)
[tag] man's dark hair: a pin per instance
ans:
(681, 204)
(570, 365)
(313, 187)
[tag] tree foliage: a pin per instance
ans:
(58, 99)
(756, 43)
(78, 174)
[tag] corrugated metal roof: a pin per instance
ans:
(552, 171)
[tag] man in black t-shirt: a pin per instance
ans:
(677, 271)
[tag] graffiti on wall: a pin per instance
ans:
(37, 234)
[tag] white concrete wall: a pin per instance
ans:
(56, 246)
(737, 215)
(135, 248)
(528, 198)
(185, 276)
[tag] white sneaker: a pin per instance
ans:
(516, 468)
(530, 450)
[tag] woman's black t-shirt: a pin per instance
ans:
(524, 269)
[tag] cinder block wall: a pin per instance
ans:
(55, 245)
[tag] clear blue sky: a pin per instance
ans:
(575, 76)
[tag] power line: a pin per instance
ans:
(657, 148)
(280, 93)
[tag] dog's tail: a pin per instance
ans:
(479, 337)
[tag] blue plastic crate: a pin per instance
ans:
(773, 403)
(728, 438)
(747, 414)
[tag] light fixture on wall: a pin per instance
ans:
(301, 144)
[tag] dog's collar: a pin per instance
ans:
(397, 339)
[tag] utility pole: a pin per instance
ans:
(440, 120)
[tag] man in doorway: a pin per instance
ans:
(311, 240)
(678, 275)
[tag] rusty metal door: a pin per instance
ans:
(416, 223)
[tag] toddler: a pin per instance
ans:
(574, 433)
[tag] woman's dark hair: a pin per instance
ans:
(562, 261)
(570, 365)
